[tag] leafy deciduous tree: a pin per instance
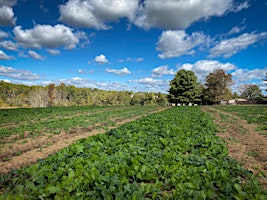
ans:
(251, 92)
(217, 86)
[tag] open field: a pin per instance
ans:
(31, 134)
(173, 154)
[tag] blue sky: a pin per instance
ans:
(135, 45)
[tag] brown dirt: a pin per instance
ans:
(244, 143)
(19, 153)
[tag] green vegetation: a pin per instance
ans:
(184, 88)
(25, 122)
(253, 114)
(217, 86)
(67, 95)
(173, 154)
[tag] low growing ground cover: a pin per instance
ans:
(33, 133)
(173, 154)
(33, 121)
(253, 114)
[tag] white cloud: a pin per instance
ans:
(150, 81)
(17, 74)
(95, 13)
(178, 14)
(129, 59)
(236, 29)
(3, 35)
(35, 55)
(53, 52)
(166, 14)
(177, 43)
(9, 45)
(101, 59)
(162, 70)
(149, 84)
(203, 67)
(7, 17)
(3, 56)
(229, 47)
(239, 7)
(247, 76)
(47, 36)
(120, 72)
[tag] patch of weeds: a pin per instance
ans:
(56, 131)
(224, 118)
(24, 142)
(6, 159)
(243, 131)
(261, 128)
(253, 154)
(17, 153)
(263, 133)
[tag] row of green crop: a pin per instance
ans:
(253, 114)
(56, 120)
(174, 154)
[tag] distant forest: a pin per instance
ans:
(17, 95)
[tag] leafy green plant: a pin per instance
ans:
(174, 154)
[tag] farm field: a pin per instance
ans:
(29, 134)
(243, 128)
(173, 154)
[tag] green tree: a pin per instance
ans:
(217, 86)
(184, 88)
(251, 92)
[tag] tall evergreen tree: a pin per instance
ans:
(184, 88)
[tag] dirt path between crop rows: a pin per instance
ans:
(244, 143)
(21, 153)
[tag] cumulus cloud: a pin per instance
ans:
(10, 72)
(162, 70)
(53, 52)
(35, 55)
(120, 72)
(95, 13)
(101, 59)
(178, 14)
(151, 81)
(177, 43)
(3, 56)
(47, 36)
(3, 35)
(203, 67)
(246, 75)
(7, 17)
(166, 14)
(229, 47)
(149, 84)
(9, 45)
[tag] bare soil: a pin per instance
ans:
(22, 152)
(245, 144)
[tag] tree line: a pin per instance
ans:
(17, 95)
(185, 89)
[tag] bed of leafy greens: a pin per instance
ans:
(173, 154)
